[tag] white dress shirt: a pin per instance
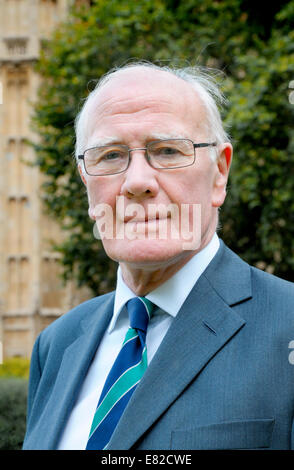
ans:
(168, 297)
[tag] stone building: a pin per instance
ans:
(31, 292)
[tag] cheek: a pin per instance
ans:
(101, 192)
(196, 190)
(190, 190)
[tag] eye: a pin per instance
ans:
(168, 151)
(165, 151)
(112, 155)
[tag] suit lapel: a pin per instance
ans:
(75, 363)
(205, 323)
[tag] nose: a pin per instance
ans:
(140, 178)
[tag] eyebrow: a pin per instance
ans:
(156, 136)
(104, 141)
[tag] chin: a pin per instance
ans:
(145, 252)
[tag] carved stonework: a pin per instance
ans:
(16, 46)
(31, 292)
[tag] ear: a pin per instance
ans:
(81, 171)
(222, 170)
(82, 175)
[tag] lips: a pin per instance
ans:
(128, 219)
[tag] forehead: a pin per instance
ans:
(145, 97)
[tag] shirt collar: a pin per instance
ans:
(170, 295)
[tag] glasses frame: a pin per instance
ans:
(200, 145)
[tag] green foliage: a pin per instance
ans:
(251, 43)
(15, 367)
(13, 400)
(261, 121)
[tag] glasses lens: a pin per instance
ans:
(106, 160)
(172, 153)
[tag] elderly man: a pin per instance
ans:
(192, 349)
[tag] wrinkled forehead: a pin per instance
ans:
(140, 88)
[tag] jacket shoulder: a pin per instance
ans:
(268, 286)
(236, 281)
(72, 318)
(63, 331)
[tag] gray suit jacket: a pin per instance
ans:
(221, 379)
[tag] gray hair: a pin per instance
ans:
(202, 79)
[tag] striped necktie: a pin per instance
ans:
(124, 376)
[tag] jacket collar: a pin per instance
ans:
(205, 323)
(230, 276)
(73, 369)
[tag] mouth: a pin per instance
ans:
(145, 220)
(150, 214)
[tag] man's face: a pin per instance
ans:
(136, 107)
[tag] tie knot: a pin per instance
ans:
(140, 310)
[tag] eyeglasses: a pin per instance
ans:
(164, 154)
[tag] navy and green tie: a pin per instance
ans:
(126, 373)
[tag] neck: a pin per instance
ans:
(143, 279)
